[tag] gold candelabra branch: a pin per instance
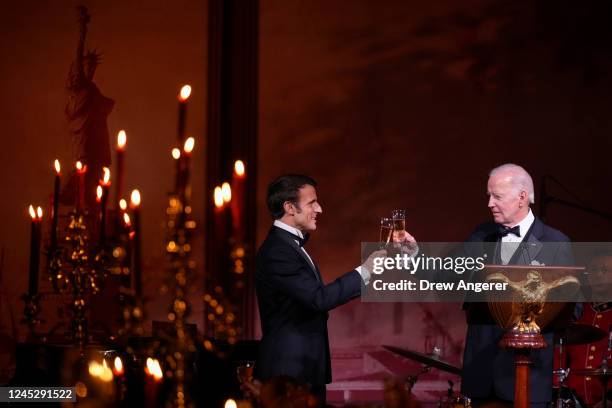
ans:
(181, 272)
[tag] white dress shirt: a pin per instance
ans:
(365, 275)
(507, 249)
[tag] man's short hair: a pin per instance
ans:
(285, 188)
(519, 178)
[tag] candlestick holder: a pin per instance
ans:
(180, 276)
(30, 312)
(77, 269)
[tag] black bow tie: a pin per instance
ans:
(503, 231)
(302, 241)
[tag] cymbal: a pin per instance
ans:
(429, 360)
(593, 372)
(579, 334)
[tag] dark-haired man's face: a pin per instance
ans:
(307, 208)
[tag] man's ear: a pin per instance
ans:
(523, 195)
(289, 208)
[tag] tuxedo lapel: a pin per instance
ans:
(530, 247)
(290, 240)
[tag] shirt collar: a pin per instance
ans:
(525, 224)
(288, 228)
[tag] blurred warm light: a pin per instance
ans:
(118, 369)
(239, 168)
(230, 403)
(39, 212)
(57, 166)
(81, 168)
(32, 212)
(154, 369)
(80, 389)
(226, 192)
(126, 220)
(99, 193)
(106, 176)
(218, 197)
(100, 371)
(185, 93)
(121, 139)
(176, 153)
(188, 146)
(123, 204)
(135, 198)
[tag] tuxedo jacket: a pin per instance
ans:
(293, 307)
(487, 368)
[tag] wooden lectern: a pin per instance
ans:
(534, 297)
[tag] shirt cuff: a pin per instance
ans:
(365, 274)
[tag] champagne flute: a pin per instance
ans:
(386, 231)
(244, 371)
(399, 223)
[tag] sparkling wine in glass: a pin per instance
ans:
(245, 371)
(386, 231)
(399, 223)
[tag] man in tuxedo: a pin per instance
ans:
(515, 237)
(293, 299)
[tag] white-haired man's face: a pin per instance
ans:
(508, 203)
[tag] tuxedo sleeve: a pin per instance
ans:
(294, 278)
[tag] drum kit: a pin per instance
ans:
(563, 395)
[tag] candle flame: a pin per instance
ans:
(99, 193)
(121, 139)
(239, 168)
(185, 93)
(106, 176)
(39, 212)
(176, 153)
(218, 197)
(56, 164)
(123, 204)
(135, 198)
(118, 366)
(188, 146)
(226, 191)
(154, 369)
(126, 219)
(32, 212)
(230, 403)
(79, 165)
(100, 371)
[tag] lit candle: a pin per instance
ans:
(176, 155)
(220, 217)
(118, 366)
(237, 203)
(104, 186)
(126, 278)
(54, 207)
(183, 96)
(35, 232)
(153, 378)
(185, 159)
(81, 169)
(121, 142)
(135, 205)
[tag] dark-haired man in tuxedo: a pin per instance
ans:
(488, 370)
(293, 299)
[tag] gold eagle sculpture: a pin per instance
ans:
(529, 296)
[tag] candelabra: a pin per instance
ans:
(76, 269)
(180, 228)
